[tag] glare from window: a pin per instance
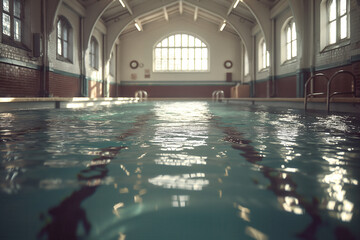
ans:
(338, 20)
(291, 40)
(181, 52)
(265, 56)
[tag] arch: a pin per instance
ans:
(241, 28)
(262, 16)
(51, 14)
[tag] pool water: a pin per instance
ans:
(179, 170)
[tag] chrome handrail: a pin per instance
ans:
(218, 95)
(312, 93)
(141, 94)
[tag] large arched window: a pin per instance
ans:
(264, 56)
(181, 53)
(64, 40)
(291, 40)
(94, 53)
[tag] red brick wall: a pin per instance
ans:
(18, 81)
(112, 90)
(261, 89)
(63, 86)
(286, 87)
(174, 91)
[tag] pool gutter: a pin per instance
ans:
(351, 105)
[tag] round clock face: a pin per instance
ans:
(228, 64)
(134, 64)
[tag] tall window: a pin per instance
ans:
(12, 19)
(246, 63)
(338, 20)
(264, 56)
(181, 52)
(291, 40)
(63, 39)
(94, 53)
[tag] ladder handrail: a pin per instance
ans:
(141, 94)
(329, 96)
(313, 94)
(218, 95)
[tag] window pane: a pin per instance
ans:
(288, 35)
(191, 53)
(157, 53)
(204, 53)
(171, 64)
(184, 40)
(171, 41)
(6, 24)
(178, 64)
(198, 53)
(343, 27)
(191, 41)
(191, 64)
(59, 47)
(65, 49)
(185, 52)
(332, 10)
(332, 32)
(343, 7)
(293, 31)
(59, 29)
(158, 64)
(158, 45)
(294, 49)
(288, 51)
(267, 58)
(178, 53)
(164, 43)
(178, 40)
(164, 66)
(17, 8)
(171, 53)
(197, 42)
(185, 64)
(6, 5)
(164, 53)
(17, 30)
(65, 33)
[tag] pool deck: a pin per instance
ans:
(337, 104)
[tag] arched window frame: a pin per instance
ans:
(291, 40)
(264, 56)
(12, 21)
(338, 20)
(334, 24)
(94, 53)
(181, 52)
(64, 40)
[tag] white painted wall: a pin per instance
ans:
(139, 46)
(74, 20)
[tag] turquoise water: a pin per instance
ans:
(179, 170)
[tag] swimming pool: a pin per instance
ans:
(179, 170)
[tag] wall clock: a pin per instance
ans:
(134, 64)
(228, 64)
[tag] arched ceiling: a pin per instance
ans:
(116, 11)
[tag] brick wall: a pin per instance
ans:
(63, 86)
(18, 81)
(286, 87)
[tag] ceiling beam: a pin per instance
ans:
(125, 4)
(181, 9)
(233, 5)
(166, 15)
(196, 13)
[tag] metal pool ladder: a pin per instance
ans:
(141, 94)
(330, 95)
(218, 95)
(311, 94)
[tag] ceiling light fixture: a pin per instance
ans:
(122, 3)
(236, 3)
(223, 26)
(138, 27)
